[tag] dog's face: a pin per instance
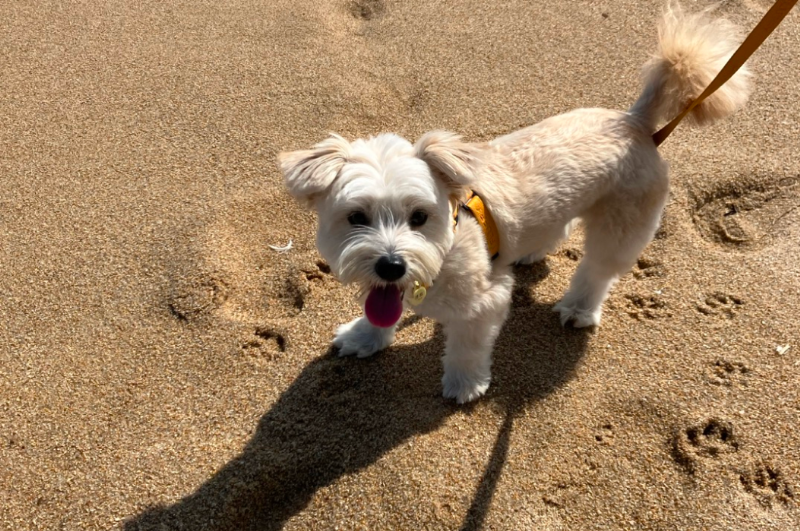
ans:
(385, 206)
(384, 219)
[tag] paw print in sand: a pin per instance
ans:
(650, 306)
(748, 213)
(192, 298)
(767, 484)
(367, 9)
(697, 443)
(720, 304)
(300, 282)
(266, 344)
(649, 268)
(728, 373)
(605, 434)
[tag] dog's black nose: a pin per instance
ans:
(390, 268)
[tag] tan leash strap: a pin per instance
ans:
(759, 34)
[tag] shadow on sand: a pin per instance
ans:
(343, 414)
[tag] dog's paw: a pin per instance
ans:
(464, 387)
(359, 337)
(579, 317)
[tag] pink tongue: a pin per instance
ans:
(384, 306)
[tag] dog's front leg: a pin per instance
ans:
(468, 348)
(468, 357)
(361, 338)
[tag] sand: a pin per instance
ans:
(162, 368)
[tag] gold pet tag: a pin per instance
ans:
(419, 293)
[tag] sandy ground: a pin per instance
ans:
(162, 368)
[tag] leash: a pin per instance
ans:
(759, 34)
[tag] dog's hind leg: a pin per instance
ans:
(617, 230)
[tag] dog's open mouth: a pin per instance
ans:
(384, 305)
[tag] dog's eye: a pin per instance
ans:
(358, 218)
(418, 218)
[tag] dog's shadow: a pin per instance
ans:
(343, 414)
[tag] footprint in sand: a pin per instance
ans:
(605, 434)
(708, 440)
(366, 9)
(266, 344)
(320, 271)
(261, 285)
(767, 484)
(317, 275)
(194, 297)
(560, 496)
(720, 304)
(647, 306)
(729, 373)
(300, 283)
(294, 292)
(649, 268)
(746, 215)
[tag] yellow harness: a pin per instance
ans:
(475, 206)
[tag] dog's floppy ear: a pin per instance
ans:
(309, 172)
(450, 158)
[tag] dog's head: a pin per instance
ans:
(384, 205)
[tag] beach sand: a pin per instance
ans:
(163, 368)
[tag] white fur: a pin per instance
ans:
(359, 337)
(594, 164)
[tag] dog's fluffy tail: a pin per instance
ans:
(692, 49)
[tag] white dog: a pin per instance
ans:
(386, 206)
